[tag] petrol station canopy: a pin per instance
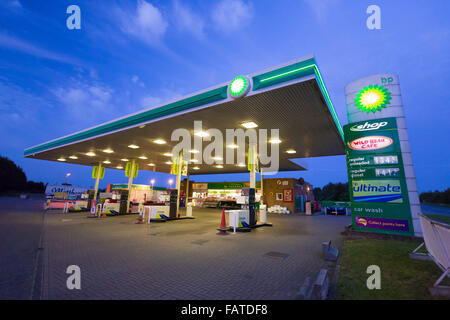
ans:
(291, 97)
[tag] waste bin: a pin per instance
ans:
(263, 213)
(189, 209)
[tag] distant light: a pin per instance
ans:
(193, 160)
(232, 146)
(152, 181)
(170, 181)
(275, 141)
(217, 158)
(167, 154)
(169, 162)
(196, 168)
(108, 151)
(107, 162)
(73, 157)
(90, 154)
(219, 166)
(193, 151)
(143, 157)
(159, 141)
(61, 159)
(68, 174)
(291, 151)
(201, 133)
(241, 165)
(143, 126)
(151, 164)
(249, 125)
(133, 146)
(124, 159)
(119, 167)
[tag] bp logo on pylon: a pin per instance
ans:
(373, 98)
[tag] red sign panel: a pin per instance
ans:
(288, 195)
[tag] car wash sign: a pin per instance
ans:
(378, 191)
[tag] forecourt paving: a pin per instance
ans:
(183, 259)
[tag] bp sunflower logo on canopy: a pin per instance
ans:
(373, 98)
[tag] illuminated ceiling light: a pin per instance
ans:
(201, 134)
(196, 168)
(124, 159)
(249, 125)
(193, 160)
(151, 164)
(61, 159)
(108, 151)
(159, 141)
(133, 146)
(291, 151)
(232, 146)
(275, 141)
(193, 151)
(90, 154)
(219, 166)
(119, 167)
(73, 157)
(107, 162)
(217, 158)
(143, 157)
(167, 154)
(241, 165)
(169, 162)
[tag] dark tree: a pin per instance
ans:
(333, 192)
(436, 197)
(12, 177)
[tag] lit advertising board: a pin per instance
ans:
(378, 191)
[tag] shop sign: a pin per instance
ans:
(370, 143)
(384, 224)
(70, 190)
(288, 195)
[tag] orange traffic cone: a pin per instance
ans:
(223, 225)
(140, 219)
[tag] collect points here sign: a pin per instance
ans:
(378, 191)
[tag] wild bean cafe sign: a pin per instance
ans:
(378, 191)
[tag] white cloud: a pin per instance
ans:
(17, 44)
(321, 8)
(15, 4)
(135, 79)
(151, 101)
(81, 101)
(229, 15)
(188, 21)
(147, 23)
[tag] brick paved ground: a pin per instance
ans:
(181, 259)
(20, 231)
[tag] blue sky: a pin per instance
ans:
(131, 55)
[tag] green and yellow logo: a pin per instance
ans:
(373, 98)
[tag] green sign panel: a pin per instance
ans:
(378, 191)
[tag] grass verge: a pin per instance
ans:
(439, 217)
(401, 277)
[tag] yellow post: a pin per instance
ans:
(130, 185)
(97, 180)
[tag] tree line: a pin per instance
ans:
(435, 197)
(13, 179)
(332, 192)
